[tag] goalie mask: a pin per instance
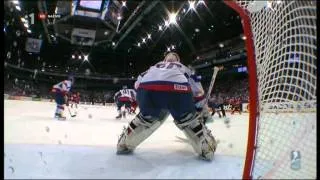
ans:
(172, 57)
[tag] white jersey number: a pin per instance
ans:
(125, 92)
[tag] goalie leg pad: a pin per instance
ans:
(199, 135)
(139, 129)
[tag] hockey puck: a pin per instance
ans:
(89, 116)
(226, 120)
(47, 129)
(11, 169)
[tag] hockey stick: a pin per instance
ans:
(72, 115)
(213, 79)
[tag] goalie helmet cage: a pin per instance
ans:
(281, 51)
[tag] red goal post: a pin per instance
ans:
(281, 51)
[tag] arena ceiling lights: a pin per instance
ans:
(22, 19)
(172, 19)
(192, 5)
(124, 3)
(144, 40)
(16, 3)
(171, 47)
(86, 57)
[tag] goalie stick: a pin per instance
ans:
(213, 79)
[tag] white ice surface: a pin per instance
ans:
(37, 146)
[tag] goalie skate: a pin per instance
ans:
(199, 136)
(139, 129)
(122, 148)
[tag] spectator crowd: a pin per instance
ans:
(228, 90)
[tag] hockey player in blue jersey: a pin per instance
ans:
(61, 91)
(124, 98)
(169, 87)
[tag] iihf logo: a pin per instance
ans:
(295, 160)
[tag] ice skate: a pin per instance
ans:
(119, 116)
(199, 136)
(56, 115)
(60, 117)
(122, 148)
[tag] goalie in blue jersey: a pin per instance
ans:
(166, 88)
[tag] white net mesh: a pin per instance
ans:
(284, 35)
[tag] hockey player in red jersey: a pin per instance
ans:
(133, 107)
(134, 103)
(236, 103)
(168, 88)
(61, 91)
(75, 99)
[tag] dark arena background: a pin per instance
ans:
(266, 84)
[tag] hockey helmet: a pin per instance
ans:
(172, 57)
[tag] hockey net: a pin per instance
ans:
(281, 49)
